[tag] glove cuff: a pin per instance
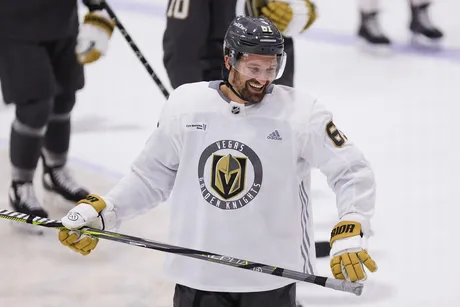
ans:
(95, 201)
(109, 216)
(359, 218)
(100, 208)
(100, 20)
(350, 234)
(352, 244)
(346, 229)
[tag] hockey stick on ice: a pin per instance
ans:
(341, 285)
(136, 50)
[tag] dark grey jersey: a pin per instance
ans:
(38, 20)
(193, 39)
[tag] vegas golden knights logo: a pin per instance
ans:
(228, 175)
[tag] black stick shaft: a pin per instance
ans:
(340, 285)
(136, 50)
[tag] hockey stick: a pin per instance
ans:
(136, 50)
(341, 285)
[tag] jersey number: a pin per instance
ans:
(336, 136)
(178, 9)
(266, 29)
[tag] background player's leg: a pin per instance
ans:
(27, 81)
(56, 177)
(70, 78)
(27, 132)
(57, 139)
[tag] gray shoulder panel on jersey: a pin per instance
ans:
(216, 86)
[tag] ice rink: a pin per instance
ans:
(400, 109)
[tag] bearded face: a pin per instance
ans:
(250, 90)
(252, 74)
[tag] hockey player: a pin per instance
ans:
(420, 24)
(196, 58)
(41, 69)
(234, 158)
(192, 58)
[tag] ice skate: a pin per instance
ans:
(61, 190)
(424, 33)
(23, 199)
(371, 35)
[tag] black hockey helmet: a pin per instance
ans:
(256, 35)
(253, 35)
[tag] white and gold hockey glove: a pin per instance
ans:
(91, 212)
(291, 17)
(348, 253)
(93, 37)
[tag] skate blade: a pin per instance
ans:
(422, 42)
(26, 229)
(376, 50)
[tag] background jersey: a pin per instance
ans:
(193, 39)
(238, 181)
(38, 20)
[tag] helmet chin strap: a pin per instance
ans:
(233, 90)
(225, 75)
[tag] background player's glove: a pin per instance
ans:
(291, 17)
(348, 253)
(91, 212)
(93, 38)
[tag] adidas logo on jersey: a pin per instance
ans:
(275, 135)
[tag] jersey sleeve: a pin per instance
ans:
(185, 40)
(153, 172)
(348, 172)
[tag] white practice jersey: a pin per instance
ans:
(237, 179)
